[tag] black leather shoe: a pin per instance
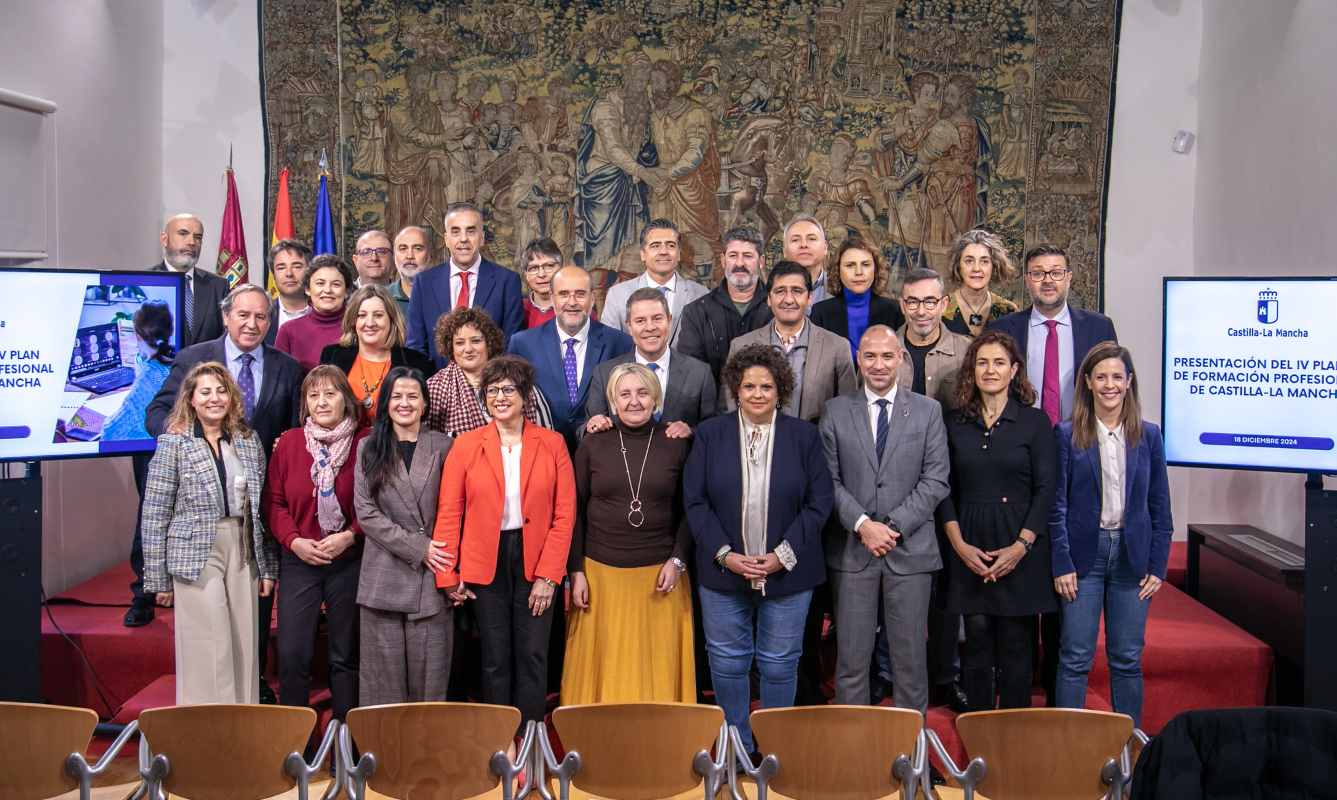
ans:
(267, 696)
(878, 690)
(951, 695)
(139, 615)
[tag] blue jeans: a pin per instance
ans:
(1112, 587)
(741, 625)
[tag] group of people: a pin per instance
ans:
(698, 471)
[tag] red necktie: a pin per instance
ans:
(463, 300)
(1051, 400)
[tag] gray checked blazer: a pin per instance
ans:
(828, 369)
(398, 525)
(906, 485)
(183, 502)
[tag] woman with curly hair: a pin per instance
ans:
(1003, 461)
(854, 304)
(469, 339)
(757, 492)
(977, 258)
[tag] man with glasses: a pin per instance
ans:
(413, 254)
(371, 259)
(538, 262)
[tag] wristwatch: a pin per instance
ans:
(552, 584)
(1026, 544)
(678, 564)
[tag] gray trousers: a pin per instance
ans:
(404, 660)
(905, 603)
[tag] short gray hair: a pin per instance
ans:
(646, 294)
(239, 290)
(803, 218)
(923, 274)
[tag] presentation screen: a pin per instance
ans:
(1251, 373)
(81, 354)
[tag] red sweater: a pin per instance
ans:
(304, 338)
(289, 502)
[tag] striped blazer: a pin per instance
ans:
(182, 506)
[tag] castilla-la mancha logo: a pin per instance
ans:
(1267, 306)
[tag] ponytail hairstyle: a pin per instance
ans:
(382, 450)
(153, 324)
(1084, 404)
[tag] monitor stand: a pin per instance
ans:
(1320, 598)
(21, 585)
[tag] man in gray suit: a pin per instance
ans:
(688, 385)
(887, 450)
(659, 256)
(821, 359)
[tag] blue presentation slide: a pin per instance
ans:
(76, 370)
(1250, 373)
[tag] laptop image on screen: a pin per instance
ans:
(96, 364)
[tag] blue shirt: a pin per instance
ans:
(233, 353)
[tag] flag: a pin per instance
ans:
(231, 239)
(282, 228)
(322, 241)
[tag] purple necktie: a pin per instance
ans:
(246, 380)
(1051, 401)
(569, 367)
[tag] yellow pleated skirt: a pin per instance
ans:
(632, 644)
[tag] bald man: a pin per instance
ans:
(181, 239)
(564, 350)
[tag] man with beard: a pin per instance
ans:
(732, 308)
(611, 168)
(413, 254)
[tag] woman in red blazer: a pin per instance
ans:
(506, 509)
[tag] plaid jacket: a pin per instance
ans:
(182, 506)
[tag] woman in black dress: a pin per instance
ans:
(1003, 461)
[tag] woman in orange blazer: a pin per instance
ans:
(506, 510)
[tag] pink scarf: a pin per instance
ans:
(329, 449)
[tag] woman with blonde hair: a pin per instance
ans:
(977, 258)
(205, 547)
(371, 344)
(629, 634)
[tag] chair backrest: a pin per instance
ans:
(637, 751)
(227, 752)
(439, 750)
(836, 752)
(1044, 753)
(34, 742)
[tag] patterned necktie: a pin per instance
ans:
(1051, 400)
(882, 426)
(569, 367)
(654, 369)
(463, 300)
(190, 305)
(246, 380)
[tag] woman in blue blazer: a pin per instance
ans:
(1110, 528)
(757, 492)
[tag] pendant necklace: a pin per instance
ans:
(976, 314)
(368, 391)
(635, 516)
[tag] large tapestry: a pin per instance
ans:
(903, 121)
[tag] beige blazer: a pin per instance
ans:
(828, 369)
(941, 365)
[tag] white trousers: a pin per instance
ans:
(217, 624)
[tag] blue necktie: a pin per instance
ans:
(190, 306)
(882, 420)
(654, 368)
(569, 367)
(246, 381)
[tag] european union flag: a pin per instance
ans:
(323, 240)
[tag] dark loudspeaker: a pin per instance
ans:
(20, 588)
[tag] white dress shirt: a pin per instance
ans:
(286, 316)
(582, 338)
(1113, 456)
(512, 516)
(670, 289)
(455, 280)
(873, 410)
(1035, 358)
(660, 370)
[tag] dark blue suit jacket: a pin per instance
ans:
(541, 347)
(1089, 328)
(1074, 521)
(801, 498)
(498, 295)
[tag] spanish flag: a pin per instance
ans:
(282, 227)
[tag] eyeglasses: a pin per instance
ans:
(1038, 275)
(373, 251)
(501, 391)
(913, 303)
(545, 266)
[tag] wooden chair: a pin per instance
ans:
(1038, 754)
(41, 752)
(835, 753)
(637, 751)
(233, 752)
(444, 751)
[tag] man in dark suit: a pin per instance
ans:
(181, 237)
(1055, 338)
(271, 376)
(688, 387)
(288, 260)
(566, 349)
(466, 280)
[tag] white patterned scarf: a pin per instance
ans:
(329, 449)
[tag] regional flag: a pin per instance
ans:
(232, 240)
(282, 227)
(323, 239)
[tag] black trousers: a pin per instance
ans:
(139, 465)
(1003, 647)
(514, 641)
(1051, 628)
(305, 588)
(944, 655)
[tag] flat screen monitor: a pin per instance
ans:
(81, 354)
(1250, 373)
